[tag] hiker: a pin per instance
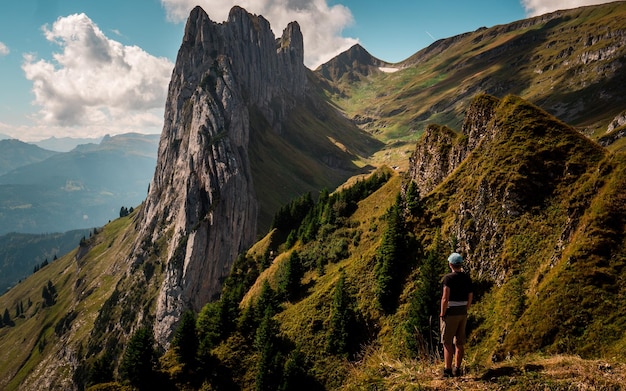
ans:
(455, 301)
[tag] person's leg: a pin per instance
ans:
(447, 336)
(458, 358)
(448, 353)
(459, 343)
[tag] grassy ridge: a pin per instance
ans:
(83, 279)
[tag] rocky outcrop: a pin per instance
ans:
(615, 131)
(202, 200)
(508, 163)
(441, 150)
(437, 154)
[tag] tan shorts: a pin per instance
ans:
(453, 329)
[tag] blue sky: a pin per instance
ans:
(85, 68)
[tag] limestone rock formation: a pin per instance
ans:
(202, 198)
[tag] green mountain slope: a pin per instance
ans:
(20, 254)
(317, 149)
(568, 62)
(45, 339)
(539, 208)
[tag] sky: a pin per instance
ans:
(86, 68)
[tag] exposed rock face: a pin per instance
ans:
(507, 165)
(202, 198)
(441, 150)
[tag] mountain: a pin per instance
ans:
(340, 288)
(234, 134)
(14, 154)
(79, 189)
(65, 144)
(561, 61)
(353, 65)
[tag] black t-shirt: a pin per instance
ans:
(460, 285)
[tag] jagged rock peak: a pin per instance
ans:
(267, 69)
(202, 197)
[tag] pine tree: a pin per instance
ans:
(422, 320)
(268, 366)
(185, 341)
(6, 319)
(412, 198)
(388, 269)
(342, 319)
(139, 358)
(267, 300)
(290, 275)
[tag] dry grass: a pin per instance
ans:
(379, 371)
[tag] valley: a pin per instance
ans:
(296, 227)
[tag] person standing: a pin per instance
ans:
(456, 299)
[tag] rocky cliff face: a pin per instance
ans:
(508, 164)
(202, 199)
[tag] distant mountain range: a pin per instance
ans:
(43, 191)
(60, 144)
(65, 144)
(15, 153)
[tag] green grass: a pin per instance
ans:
(82, 286)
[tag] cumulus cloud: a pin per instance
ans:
(320, 23)
(4, 50)
(540, 7)
(95, 81)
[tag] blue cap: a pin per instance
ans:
(455, 259)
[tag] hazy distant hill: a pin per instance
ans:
(79, 189)
(15, 153)
(21, 253)
(64, 144)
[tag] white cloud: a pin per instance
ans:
(540, 7)
(4, 50)
(321, 24)
(97, 83)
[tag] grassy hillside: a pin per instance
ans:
(43, 343)
(317, 148)
(20, 254)
(548, 275)
(333, 327)
(567, 62)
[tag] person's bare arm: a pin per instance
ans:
(445, 298)
(470, 297)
